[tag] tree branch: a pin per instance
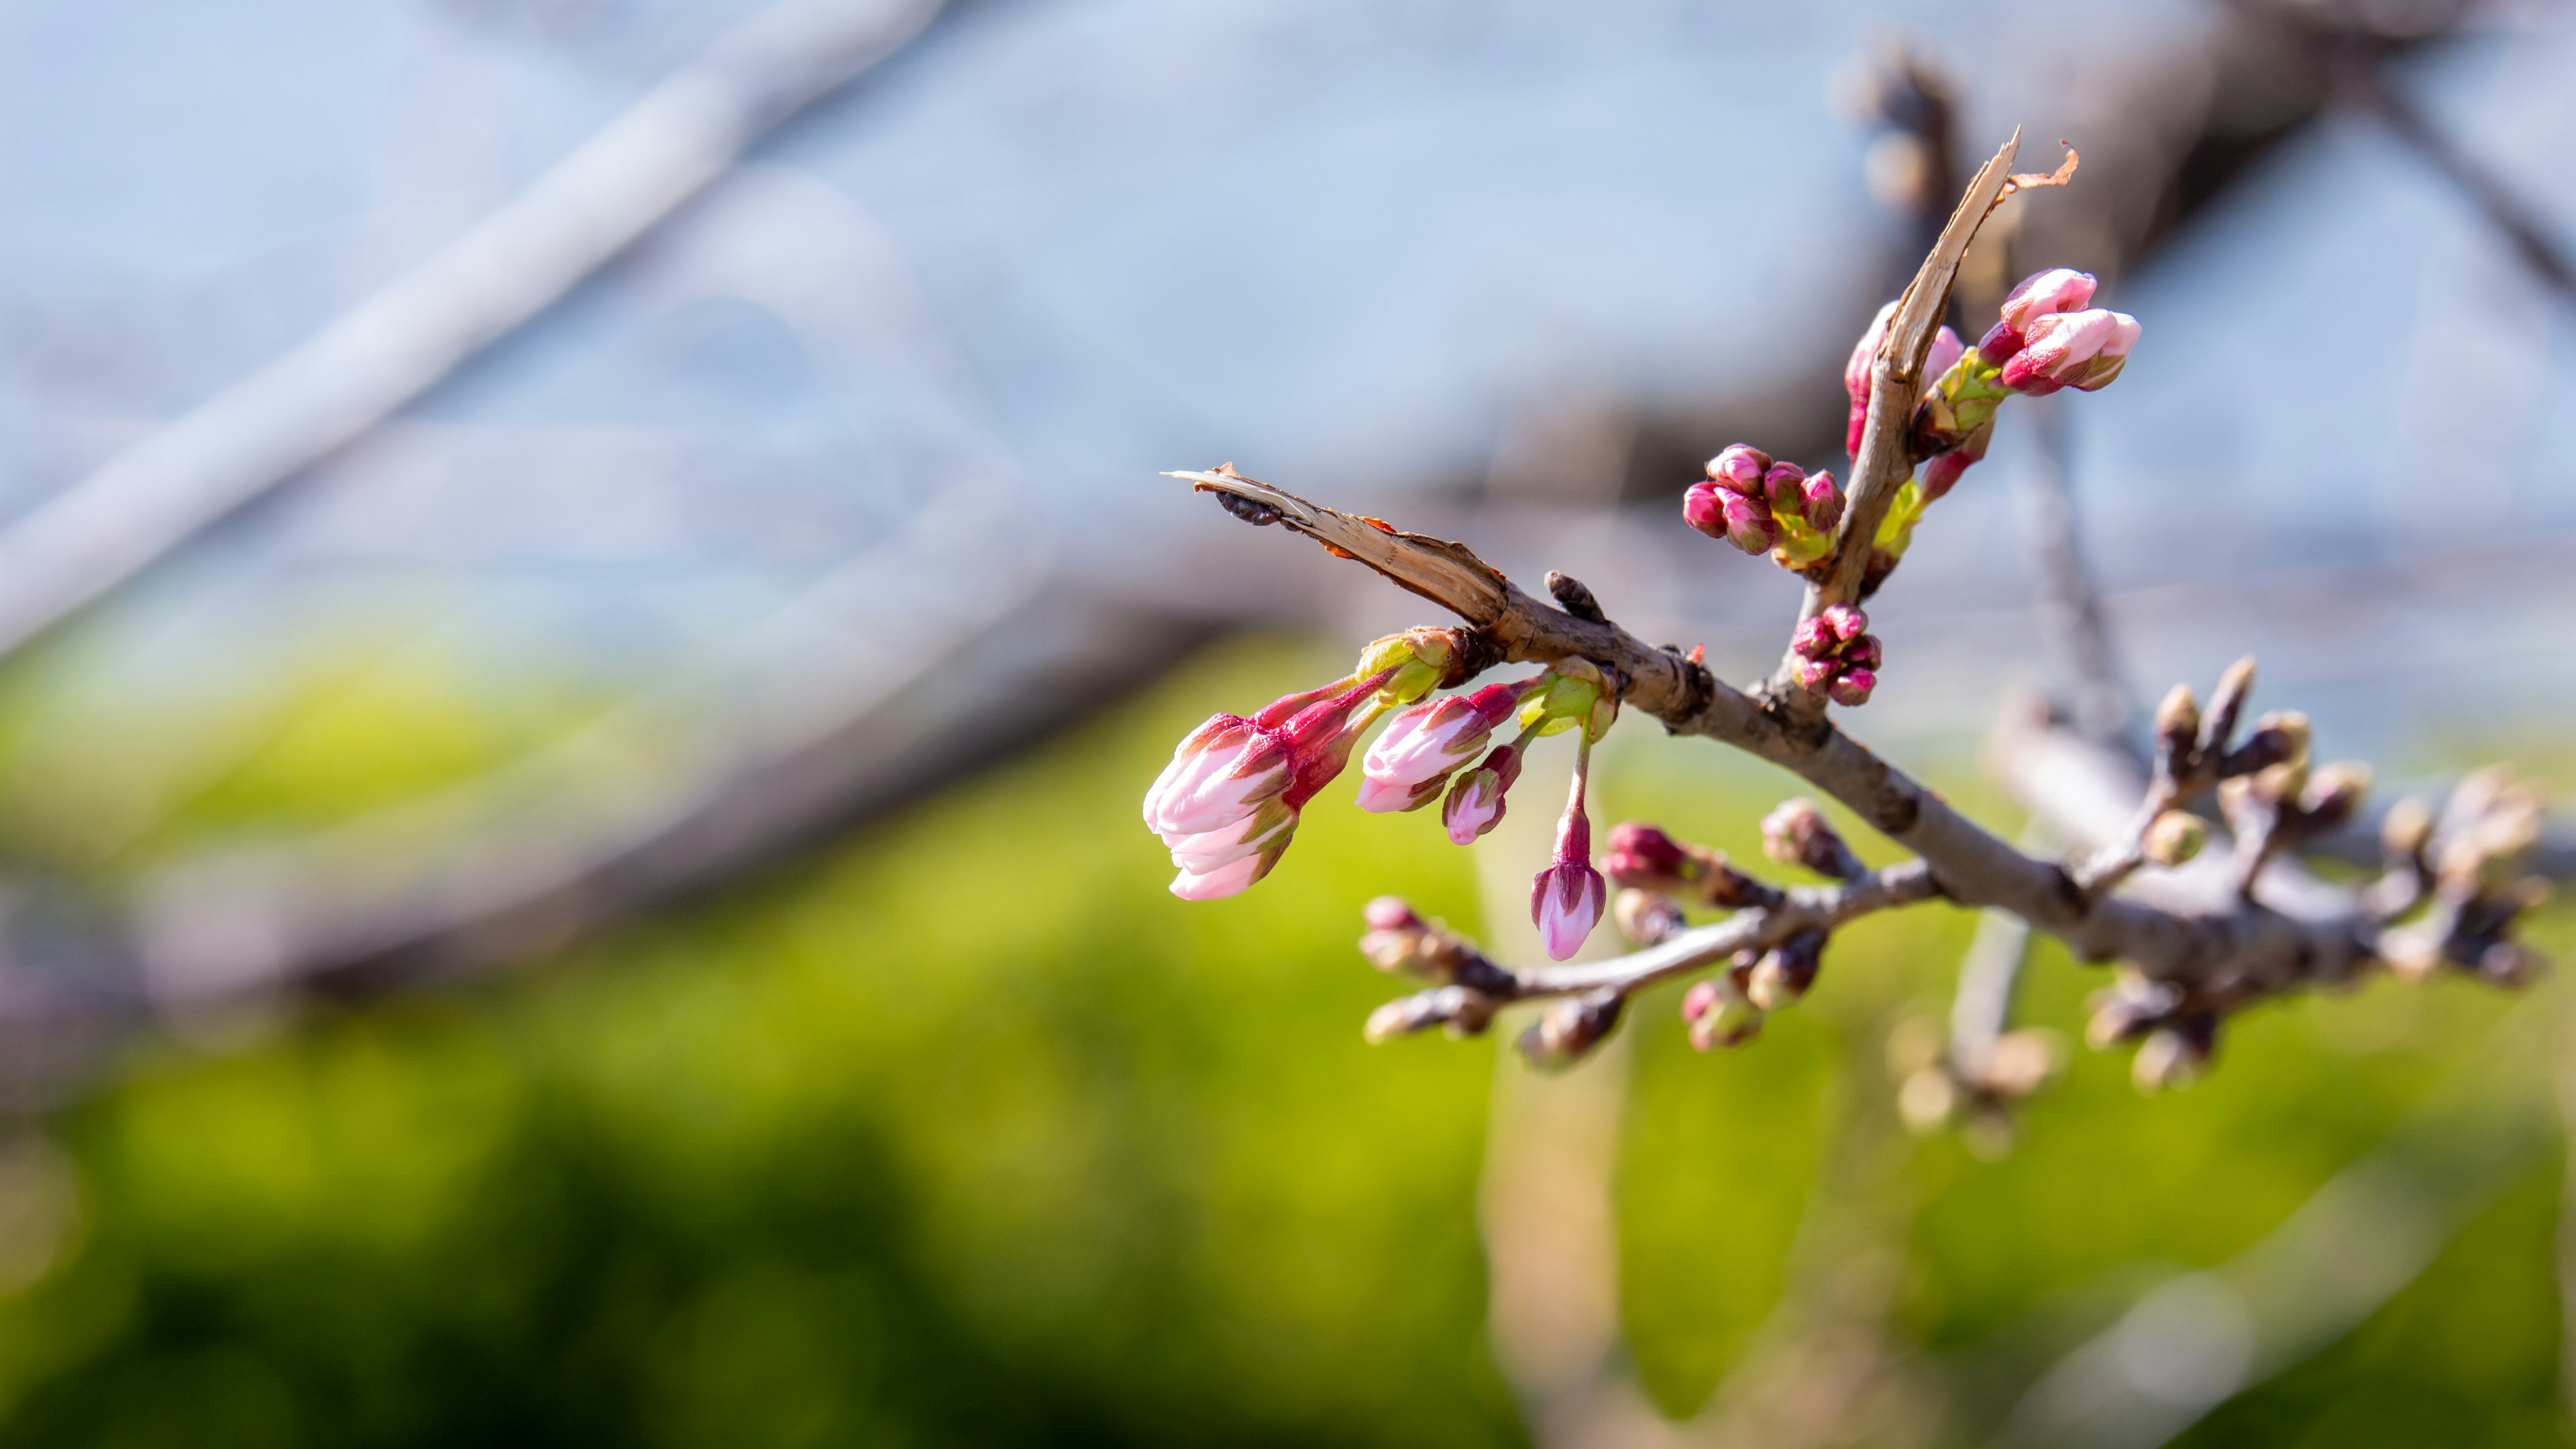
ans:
(2193, 938)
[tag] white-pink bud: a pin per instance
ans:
(1406, 765)
(1565, 903)
(1218, 774)
(2059, 289)
(2084, 350)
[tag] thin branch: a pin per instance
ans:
(2247, 941)
(401, 341)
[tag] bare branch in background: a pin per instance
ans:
(400, 342)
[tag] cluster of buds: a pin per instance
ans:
(1729, 1008)
(2176, 1029)
(2046, 337)
(1572, 695)
(1228, 802)
(2468, 870)
(1837, 655)
(1765, 506)
(1468, 989)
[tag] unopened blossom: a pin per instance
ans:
(1227, 803)
(2040, 295)
(1740, 468)
(1476, 798)
(1946, 350)
(1567, 896)
(2083, 350)
(1645, 858)
(1722, 513)
(1408, 764)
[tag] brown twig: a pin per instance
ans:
(2245, 941)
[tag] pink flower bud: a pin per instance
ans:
(1704, 508)
(1219, 772)
(1784, 487)
(1823, 499)
(1814, 639)
(1644, 857)
(1749, 525)
(1945, 351)
(1390, 913)
(1847, 622)
(1475, 803)
(1854, 687)
(1943, 473)
(1227, 803)
(1565, 903)
(1815, 674)
(2041, 294)
(1407, 765)
(1856, 376)
(1862, 653)
(2072, 349)
(1739, 469)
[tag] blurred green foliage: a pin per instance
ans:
(962, 1131)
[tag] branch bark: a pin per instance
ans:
(2189, 937)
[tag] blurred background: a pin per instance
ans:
(587, 605)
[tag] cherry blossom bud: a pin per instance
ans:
(1475, 803)
(1399, 941)
(1785, 972)
(1415, 662)
(1569, 1029)
(1646, 917)
(2175, 837)
(2084, 350)
(1409, 763)
(1704, 508)
(1847, 622)
(1796, 833)
(1814, 639)
(1823, 501)
(1853, 687)
(2040, 295)
(1784, 487)
(1644, 857)
(1856, 376)
(1945, 351)
(1565, 903)
(1740, 468)
(1572, 694)
(1566, 898)
(1718, 1013)
(1390, 913)
(1749, 525)
(1943, 472)
(1816, 675)
(1862, 653)
(2177, 727)
(1227, 804)
(2334, 795)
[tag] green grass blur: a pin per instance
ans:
(963, 1131)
